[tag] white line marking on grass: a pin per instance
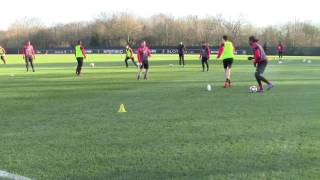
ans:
(7, 175)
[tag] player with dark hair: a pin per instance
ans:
(3, 54)
(181, 51)
(144, 53)
(280, 50)
(205, 54)
(226, 53)
(260, 61)
(80, 54)
(129, 55)
(29, 55)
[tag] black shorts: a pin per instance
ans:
(127, 58)
(205, 59)
(79, 59)
(145, 64)
(261, 67)
(227, 63)
(29, 59)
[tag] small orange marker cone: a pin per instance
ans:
(122, 109)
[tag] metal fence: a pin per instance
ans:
(172, 50)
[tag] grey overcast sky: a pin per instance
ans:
(257, 12)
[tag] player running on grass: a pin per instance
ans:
(129, 55)
(144, 53)
(260, 61)
(29, 55)
(181, 52)
(205, 54)
(3, 54)
(80, 54)
(226, 53)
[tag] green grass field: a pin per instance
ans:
(58, 126)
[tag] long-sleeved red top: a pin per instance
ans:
(221, 49)
(143, 54)
(208, 51)
(83, 49)
(280, 48)
(28, 50)
(258, 53)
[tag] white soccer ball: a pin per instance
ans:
(280, 62)
(253, 89)
(92, 65)
(309, 61)
(209, 87)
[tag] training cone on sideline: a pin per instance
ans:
(122, 109)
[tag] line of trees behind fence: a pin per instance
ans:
(115, 30)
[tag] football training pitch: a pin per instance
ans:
(58, 126)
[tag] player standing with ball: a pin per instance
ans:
(260, 61)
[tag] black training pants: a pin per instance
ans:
(181, 59)
(79, 67)
(205, 63)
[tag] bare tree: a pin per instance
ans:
(114, 30)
